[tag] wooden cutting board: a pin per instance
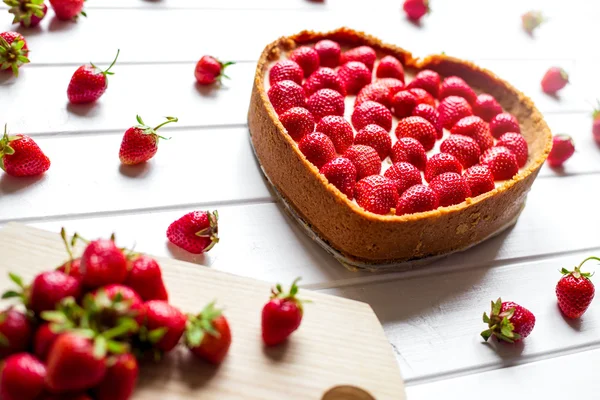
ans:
(339, 353)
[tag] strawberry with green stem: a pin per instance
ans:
(13, 51)
(208, 335)
(282, 315)
(575, 291)
(89, 83)
(20, 156)
(28, 13)
(68, 10)
(596, 124)
(508, 322)
(210, 70)
(140, 143)
(16, 331)
(72, 266)
(196, 232)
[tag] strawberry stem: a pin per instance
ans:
(112, 65)
(63, 235)
(587, 259)
(168, 121)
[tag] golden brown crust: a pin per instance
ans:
(372, 238)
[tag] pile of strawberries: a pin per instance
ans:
(89, 323)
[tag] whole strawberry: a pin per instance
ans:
(390, 67)
(501, 161)
(404, 175)
(282, 315)
(475, 128)
(89, 83)
(16, 331)
(120, 378)
(377, 92)
(22, 378)
(317, 148)
(13, 51)
(395, 85)
(20, 156)
(286, 94)
(575, 291)
(486, 107)
(355, 76)
(440, 163)
(416, 9)
(417, 198)
(365, 159)
(410, 150)
(531, 20)
(72, 266)
(418, 128)
(456, 86)
(208, 335)
(596, 124)
(307, 58)
(103, 263)
(48, 289)
(563, 148)
(363, 54)
(422, 96)
(508, 321)
(43, 340)
(480, 179)
(339, 131)
(325, 102)
(430, 114)
(115, 301)
(195, 232)
(28, 13)
(145, 278)
(464, 148)
(324, 78)
(140, 142)
(452, 109)
(516, 143)
(341, 173)
(371, 112)
(403, 103)
(502, 123)
(298, 122)
(210, 70)
(427, 80)
(286, 70)
(165, 325)
(329, 53)
(66, 10)
(376, 194)
(451, 188)
(554, 80)
(376, 137)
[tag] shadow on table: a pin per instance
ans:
(11, 184)
(139, 171)
(84, 110)
(30, 32)
(508, 352)
(56, 25)
(182, 255)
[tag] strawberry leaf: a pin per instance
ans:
(156, 335)
(16, 279)
(100, 347)
(11, 294)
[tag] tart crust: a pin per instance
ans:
(372, 239)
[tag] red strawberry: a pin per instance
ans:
(417, 128)
(89, 83)
(369, 113)
(376, 194)
(285, 95)
(145, 278)
(440, 163)
(324, 78)
(395, 85)
(390, 67)
(13, 51)
(74, 364)
(80, 396)
(298, 122)
(167, 320)
(508, 321)
(196, 232)
(475, 128)
(329, 52)
(575, 291)
(16, 331)
(422, 96)
(404, 176)
(377, 92)
(29, 13)
(140, 142)
(43, 340)
(208, 335)
(531, 20)
(307, 58)
(355, 76)
(563, 148)
(451, 188)
(452, 109)
(365, 159)
(486, 107)
(503, 123)
(341, 173)
(430, 114)
(516, 143)
(412, 149)
(103, 263)
(22, 378)
(403, 103)
(363, 54)
(21, 156)
(376, 137)
(465, 149)
(339, 131)
(416, 9)
(318, 148)
(49, 288)
(66, 10)
(120, 379)
(428, 80)
(596, 124)
(480, 179)
(282, 315)
(501, 161)
(119, 301)
(72, 266)
(325, 102)
(286, 70)
(456, 86)
(418, 198)
(554, 80)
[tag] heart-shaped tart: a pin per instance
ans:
(388, 160)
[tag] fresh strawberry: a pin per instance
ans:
(329, 52)
(318, 148)
(165, 324)
(554, 80)
(145, 278)
(596, 124)
(451, 188)
(416, 9)
(563, 148)
(377, 92)
(13, 51)
(575, 291)
(341, 173)
(516, 143)
(66, 10)
(503, 123)
(89, 83)
(371, 112)
(501, 161)
(49, 288)
(404, 175)
(16, 331)
(480, 179)
(456, 86)
(465, 149)
(43, 340)
(403, 103)
(324, 78)
(440, 163)
(286, 94)
(418, 198)
(390, 67)
(120, 378)
(282, 315)
(298, 122)
(119, 301)
(365, 159)
(417, 128)
(531, 20)
(475, 128)
(339, 131)
(422, 96)
(103, 263)
(412, 149)
(20, 156)
(376, 194)
(395, 85)
(508, 321)
(452, 109)
(428, 80)
(286, 70)
(430, 114)
(307, 58)
(71, 267)
(363, 54)
(325, 102)
(196, 232)
(208, 335)
(140, 142)
(376, 137)
(28, 13)
(355, 76)
(486, 107)
(22, 378)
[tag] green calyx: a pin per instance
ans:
(596, 112)
(152, 131)
(24, 10)
(278, 293)
(13, 55)
(22, 292)
(107, 71)
(5, 148)
(223, 66)
(576, 273)
(499, 324)
(212, 231)
(202, 324)
(532, 20)
(564, 75)
(69, 247)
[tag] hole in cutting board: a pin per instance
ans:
(347, 393)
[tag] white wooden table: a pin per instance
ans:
(431, 316)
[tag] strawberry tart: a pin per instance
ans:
(386, 159)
